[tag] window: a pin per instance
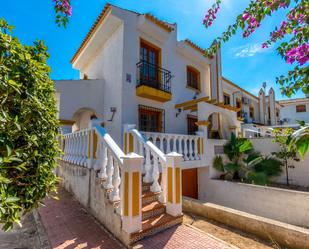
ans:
(227, 99)
(192, 127)
(151, 119)
(239, 105)
(251, 112)
(193, 78)
(301, 108)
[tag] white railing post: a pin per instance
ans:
(147, 178)
(109, 171)
(155, 187)
(168, 149)
(131, 193)
(185, 150)
(114, 195)
(174, 184)
(103, 161)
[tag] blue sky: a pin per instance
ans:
(244, 62)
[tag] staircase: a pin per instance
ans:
(154, 216)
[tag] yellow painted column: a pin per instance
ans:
(174, 184)
(131, 197)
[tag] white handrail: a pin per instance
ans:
(154, 149)
(111, 144)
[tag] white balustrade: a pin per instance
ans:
(186, 145)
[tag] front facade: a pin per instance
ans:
(135, 73)
(144, 76)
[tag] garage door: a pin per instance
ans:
(189, 183)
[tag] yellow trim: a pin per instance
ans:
(177, 173)
(95, 141)
(191, 102)
(170, 184)
(152, 93)
(202, 145)
(135, 193)
(202, 123)
(126, 194)
(66, 122)
(125, 143)
(131, 143)
(89, 144)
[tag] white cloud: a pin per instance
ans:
(248, 50)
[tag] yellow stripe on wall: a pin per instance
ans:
(95, 141)
(126, 195)
(131, 144)
(170, 184)
(135, 193)
(125, 143)
(199, 146)
(177, 185)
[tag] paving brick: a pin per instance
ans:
(69, 226)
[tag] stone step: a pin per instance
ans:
(146, 187)
(149, 197)
(154, 225)
(152, 210)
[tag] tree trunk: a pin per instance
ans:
(287, 173)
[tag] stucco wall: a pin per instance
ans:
(87, 189)
(76, 94)
(299, 175)
(274, 203)
(289, 112)
(285, 234)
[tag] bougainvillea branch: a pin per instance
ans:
(63, 11)
(295, 27)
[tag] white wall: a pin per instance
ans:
(298, 175)
(77, 94)
(108, 65)
(279, 204)
(289, 112)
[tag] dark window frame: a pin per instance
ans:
(144, 109)
(193, 78)
(303, 108)
(225, 97)
(191, 120)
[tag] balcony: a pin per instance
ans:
(153, 82)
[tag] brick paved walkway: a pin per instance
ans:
(182, 237)
(69, 226)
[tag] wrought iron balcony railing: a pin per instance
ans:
(152, 75)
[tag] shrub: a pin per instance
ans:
(245, 164)
(28, 127)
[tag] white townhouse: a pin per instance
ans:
(294, 110)
(134, 71)
(136, 75)
(143, 91)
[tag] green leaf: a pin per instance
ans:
(12, 199)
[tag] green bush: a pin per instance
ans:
(28, 127)
(245, 164)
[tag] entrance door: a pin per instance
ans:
(191, 123)
(189, 183)
(150, 59)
